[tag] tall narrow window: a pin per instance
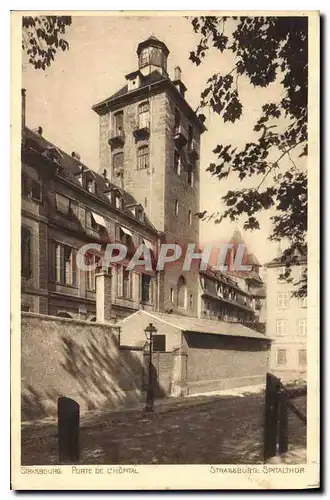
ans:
(144, 115)
(282, 300)
(118, 123)
(143, 157)
(189, 217)
(190, 175)
(124, 283)
(69, 265)
(302, 326)
(25, 252)
(177, 162)
(117, 165)
(176, 207)
(182, 292)
(302, 357)
(36, 191)
(93, 261)
(65, 265)
(146, 288)
(281, 357)
(127, 284)
(280, 327)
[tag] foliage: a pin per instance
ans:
(42, 37)
(265, 49)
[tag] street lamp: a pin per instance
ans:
(149, 331)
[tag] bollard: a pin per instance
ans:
(283, 425)
(68, 430)
(271, 416)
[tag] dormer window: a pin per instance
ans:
(90, 186)
(139, 214)
(118, 202)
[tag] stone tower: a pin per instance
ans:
(149, 145)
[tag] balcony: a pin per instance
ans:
(180, 138)
(141, 130)
(117, 138)
(193, 149)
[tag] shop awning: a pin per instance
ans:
(62, 203)
(148, 244)
(126, 231)
(99, 219)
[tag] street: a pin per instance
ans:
(195, 430)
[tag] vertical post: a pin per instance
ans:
(68, 430)
(103, 296)
(271, 416)
(283, 425)
(150, 393)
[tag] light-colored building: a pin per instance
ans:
(286, 322)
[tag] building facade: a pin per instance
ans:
(145, 190)
(64, 206)
(150, 143)
(286, 320)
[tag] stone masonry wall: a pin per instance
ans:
(218, 362)
(80, 360)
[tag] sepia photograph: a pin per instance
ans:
(164, 203)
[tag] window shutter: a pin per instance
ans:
(74, 267)
(58, 252)
(119, 281)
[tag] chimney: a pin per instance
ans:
(177, 73)
(103, 296)
(177, 82)
(23, 111)
(76, 155)
(38, 130)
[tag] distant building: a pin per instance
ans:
(286, 320)
(234, 295)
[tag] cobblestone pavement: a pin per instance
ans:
(204, 429)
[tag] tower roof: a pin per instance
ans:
(152, 41)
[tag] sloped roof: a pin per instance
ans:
(197, 325)
(281, 261)
(70, 167)
(147, 80)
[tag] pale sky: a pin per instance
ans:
(102, 50)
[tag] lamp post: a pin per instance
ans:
(149, 331)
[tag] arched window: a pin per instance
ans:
(182, 292)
